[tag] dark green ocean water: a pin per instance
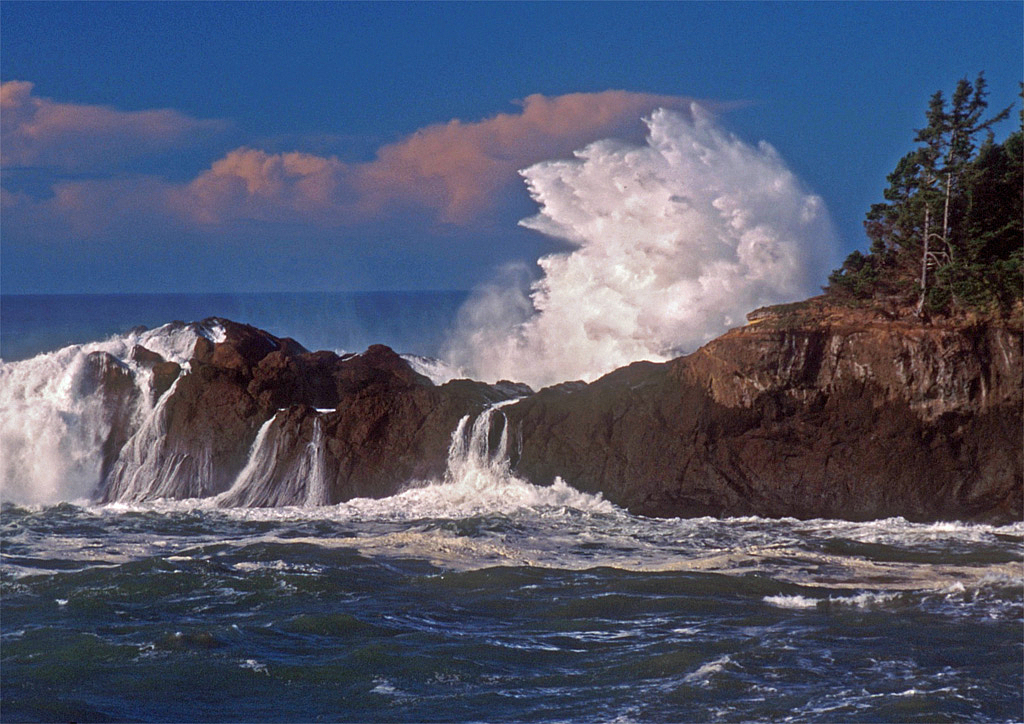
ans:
(403, 610)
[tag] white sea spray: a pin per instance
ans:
(672, 243)
(52, 428)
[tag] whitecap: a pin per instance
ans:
(795, 601)
(671, 243)
(701, 676)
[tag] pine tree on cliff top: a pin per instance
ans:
(948, 236)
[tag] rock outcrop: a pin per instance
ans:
(378, 424)
(809, 411)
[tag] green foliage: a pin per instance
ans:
(950, 234)
(858, 276)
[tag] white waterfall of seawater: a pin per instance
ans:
(270, 480)
(146, 470)
(257, 471)
(53, 422)
(478, 481)
(470, 456)
(312, 469)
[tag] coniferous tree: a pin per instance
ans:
(948, 234)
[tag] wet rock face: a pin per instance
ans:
(105, 376)
(164, 375)
(376, 442)
(145, 356)
(934, 369)
(164, 372)
(379, 424)
(848, 417)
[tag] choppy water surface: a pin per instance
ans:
(539, 605)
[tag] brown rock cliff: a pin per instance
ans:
(807, 412)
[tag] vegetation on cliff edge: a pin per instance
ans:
(949, 237)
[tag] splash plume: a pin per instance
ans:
(672, 243)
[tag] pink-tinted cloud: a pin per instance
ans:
(455, 170)
(253, 184)
(71, 136)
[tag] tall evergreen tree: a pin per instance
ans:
(949, 142)
(949, 231)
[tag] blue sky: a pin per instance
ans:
(344, 146)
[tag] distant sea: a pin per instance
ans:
(475, 597)
(412, 322)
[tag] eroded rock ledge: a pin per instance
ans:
(809, 411)
(816, 412)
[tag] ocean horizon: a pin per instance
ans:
(414, 321)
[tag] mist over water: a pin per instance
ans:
(672, 243)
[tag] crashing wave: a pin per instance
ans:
(673, 242)
(56, 417)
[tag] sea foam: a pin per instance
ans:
(671, 243)
(478, 481)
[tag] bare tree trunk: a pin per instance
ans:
(924, 260)
(945, 217)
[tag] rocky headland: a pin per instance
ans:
(810, 410)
